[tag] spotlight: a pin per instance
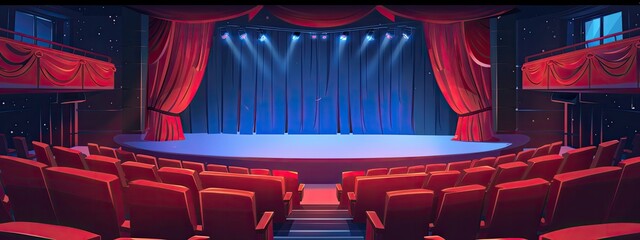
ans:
(406, 34)
(369, 36)
(390, 34)
(324, 36)
(263, 36)
(224, 34)
(314, 36)
(295, 36)
(344, 36)
(242, 34)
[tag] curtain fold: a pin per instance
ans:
(197, 13)
(320, 16)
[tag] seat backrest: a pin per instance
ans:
(609, 231)
(555, 147)
(25, 183)
(458, 212)
(125, 156)
(622, 143)
(577, 159)
(524, 155)
(348, 185)
(238, 170)
(435, 167)
(370, 191)
(20, 143)
(541, 151)
(377, 171)
(195, 166)
(476, 175)
(290, 185)
(147, 159)
(544, 167)
(229, 213)
(109, 152)
(604, 154)
(138, 170)
(184, 177)
(217, 168)
(406, 213)
(398, 170)
(269, 190)
(416, 169)
(94, 149)
(514, 208)
(44, 153)
(635, 146)
(508, 158)
(104, 164)
(167, 162)
(580, 197)
(508, 172)
(160, 210)
(438, 180)
(4, 145)
(67, 157)
(260, 171)
(88, 200)
(486, 161)
(459, 165)
(32, 230)
(625, 207)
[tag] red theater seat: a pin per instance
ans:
(458, 166)
(269, 190)
(87, 200)
(32, 230)
(609, 231)
(67, 157)
(555, 147)
(4, 146)
(22, 150)
(160, 210)
(458, 212)
(167, 162)
(260, 171)
(187, 178)
(509, 158)
(617, 156)
(217, 168)
(435, 167)
(634, 151)
(109, 152)
(514, 208)
(103, 164)
(416, 169)
(44, 153)
(397, 170)
(238, 170)
(233, 214)
(406, 215)
(541, 151)
(604, 154)
(348, 185)
(25, 183)
(487, 161)
(476, 175)
(125, 156)
(94, 149)
(370, 192)
(508, 172)
(291, 184)
(147, 159)
(580, 197)
(544, 167)
(196, 166)
(525, 155)
(377, 171)
(625, 206)
(138, 170)
(577, 159)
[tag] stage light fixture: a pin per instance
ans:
(390, 34)
(295, 36)
(314, 36)
(324, 36)
(242, 34)
(406, 33)
(369, 36)
(224, 34)
(263, 36)
(344, 36)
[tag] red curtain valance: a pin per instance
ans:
(320, 16)
(442, 14)
(198, 13)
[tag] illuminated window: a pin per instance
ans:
(603, 26)
(33, 25)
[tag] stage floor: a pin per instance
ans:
(321, 156)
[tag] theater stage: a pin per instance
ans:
(320, 158)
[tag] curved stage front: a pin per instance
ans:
(320, 158)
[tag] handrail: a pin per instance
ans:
(526, 59)
(62, 46)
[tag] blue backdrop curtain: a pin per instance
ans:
(311, 86)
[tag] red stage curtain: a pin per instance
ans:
(320, 16)
(443, 14)
(197, 13)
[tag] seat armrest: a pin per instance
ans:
(374, 220)
(626, 150)
(5, 199)
(287, 196)
(338, 191)
(198, 237)
(352, 196)
(433, 237)
(265, 221)
(198, 230)
(301, 190)
(125, 226)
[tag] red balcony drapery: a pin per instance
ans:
(320, 16)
